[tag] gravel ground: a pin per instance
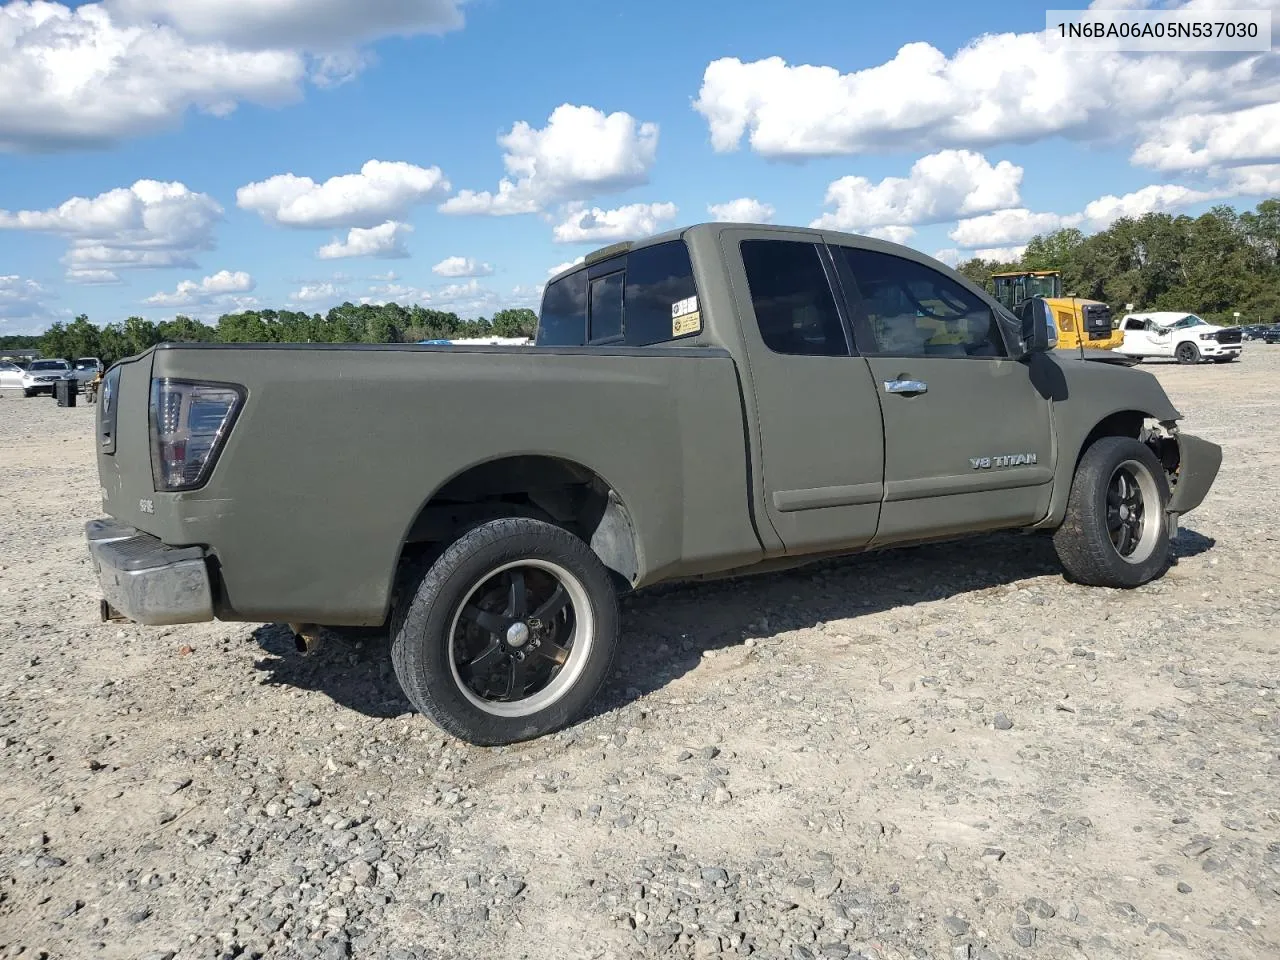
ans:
(943, 752)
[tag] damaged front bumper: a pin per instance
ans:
(146, 581)
(1198, 465)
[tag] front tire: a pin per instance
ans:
(28, 393)
(509, 635)
(1114, 533)
(1187, 353)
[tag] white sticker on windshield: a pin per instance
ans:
(685, 306)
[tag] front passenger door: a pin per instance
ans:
(968, 436)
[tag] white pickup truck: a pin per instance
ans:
(1180, 336)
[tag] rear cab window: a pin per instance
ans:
(642, 297)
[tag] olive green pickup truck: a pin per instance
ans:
(718, 400)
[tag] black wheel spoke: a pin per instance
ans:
(494, 623)
(487, 658)
(553, 652)
(1126, 538)
(516, 681)
(517, 599)
(554, 604)
(1113, 520)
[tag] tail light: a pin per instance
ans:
(189, 424)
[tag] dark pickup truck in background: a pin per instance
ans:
(717, 400)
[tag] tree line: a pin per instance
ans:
(1213, 265)
(348, 323)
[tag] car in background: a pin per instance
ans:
(1271, 334)
(41, 375)
(1178, 335)
(86, 368)
(1254, 331)
(10, 375)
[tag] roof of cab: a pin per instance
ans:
(677, 233)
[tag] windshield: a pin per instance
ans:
(1044, 286)
(48, 365)
(1190, 320)
(86, 364)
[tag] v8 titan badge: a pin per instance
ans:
(686, 318)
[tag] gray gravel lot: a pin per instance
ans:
(943, 752)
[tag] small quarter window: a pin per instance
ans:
(658, 278)
(563, 322)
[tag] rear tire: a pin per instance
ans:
(1187, 353)
(1115, 532)
(510, 633)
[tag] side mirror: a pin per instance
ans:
(1039, 331)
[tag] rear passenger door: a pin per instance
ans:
(816, 409)
(968, 441)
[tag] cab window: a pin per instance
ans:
(907, 309)
(792, 299)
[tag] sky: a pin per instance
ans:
(163, 157)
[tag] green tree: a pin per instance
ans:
(519, 322)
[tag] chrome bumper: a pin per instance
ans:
(145, 580)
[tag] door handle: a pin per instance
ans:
(905, 386)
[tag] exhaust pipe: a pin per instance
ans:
(306, 637)
(110, 614)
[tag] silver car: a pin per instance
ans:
(86, 368)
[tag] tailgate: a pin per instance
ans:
(123, 446)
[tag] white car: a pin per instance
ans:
(41, 375)
(1180, 336)
(10, 375)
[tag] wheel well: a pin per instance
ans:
(545, 488)
(1140, 426)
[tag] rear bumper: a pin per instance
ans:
(147, 581)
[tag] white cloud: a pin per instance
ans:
(940, 186)
(75, 78)
(396, 293)
(742, 210)
(1158, 198)
(96, 73)
(89, 277)
(315, 292)
(999, 88)
(1201, 140)
(461, 267)
(21, 302)
(453, 292)
(894, 234)
(1262, 180)
(560, 267)
(381, 191)
(312, 24)
(631, 222)
(385, 241)
(150, 224)
(580, 153)
(1001, 254)
(211, 289)
(949, 255)
(1007, 227)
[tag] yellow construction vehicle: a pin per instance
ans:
(1081, 322)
